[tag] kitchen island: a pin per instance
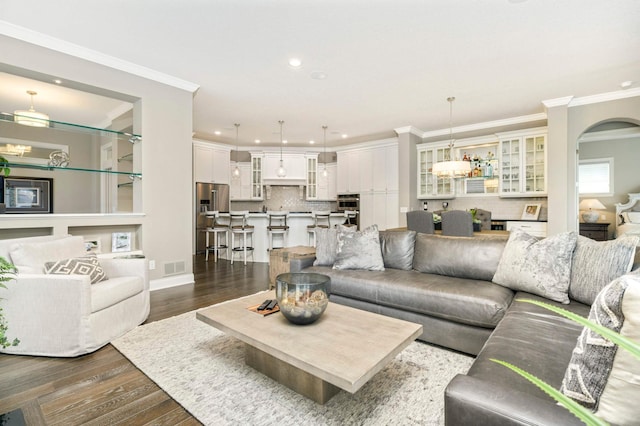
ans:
(297, 235)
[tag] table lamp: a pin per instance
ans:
(590, 215)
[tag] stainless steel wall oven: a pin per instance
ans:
(350, 202)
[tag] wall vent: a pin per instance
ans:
(176, 267)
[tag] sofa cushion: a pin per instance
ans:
(85, 265)
(596, 263)
(462, 257)
(465, 301)
(359, 250)
(600, 375)
(397, 249)
(113, 291)
(538, 266)
(326, 246)
(30, 257)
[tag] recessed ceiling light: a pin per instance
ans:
(295, 62)
(312, 142)
(217, 132)
(318, 75)
(344, 136)
(257, 140)
(57, 81)
(285, 141)
(626, 84)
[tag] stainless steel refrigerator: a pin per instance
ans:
(209, 197)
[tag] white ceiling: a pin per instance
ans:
(389, 63)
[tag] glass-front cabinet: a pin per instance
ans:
(256, 177)
(429, 185)
(312, 177)
(523, 159)
(88, 169)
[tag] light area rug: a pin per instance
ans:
(204, 371)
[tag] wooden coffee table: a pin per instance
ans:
(342, 350)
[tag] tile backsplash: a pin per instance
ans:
(289, 198)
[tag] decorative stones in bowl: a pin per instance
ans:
(302, 297)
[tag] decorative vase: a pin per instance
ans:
(302, 297)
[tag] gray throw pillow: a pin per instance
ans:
(85, 265)
(397, 249)
(595, 264)
(537, 266)
(326, 246)
(359, 250)
(601, 376)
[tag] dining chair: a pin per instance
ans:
(420, 221)
(457, 223)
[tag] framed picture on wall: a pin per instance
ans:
(27, 194)
(531, 212)
(121, 241)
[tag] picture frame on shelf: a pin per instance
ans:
(26, 194)
(92, 245)
(121, 241)
(531, 211)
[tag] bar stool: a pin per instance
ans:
(277, 226)
(320, 220)
(239, 227)
(215, 229)
(351, 218)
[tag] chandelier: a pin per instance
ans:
(451, 168)
(31, 117)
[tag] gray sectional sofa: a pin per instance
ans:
(445, 284)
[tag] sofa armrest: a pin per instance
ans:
(41, 310)
(126, 268)
(471, 401)
(297, 265)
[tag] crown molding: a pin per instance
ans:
(564, 101)
(409, 129)
(43, 40)
(487, 125)
(605, 97)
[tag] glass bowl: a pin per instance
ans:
(302, 297)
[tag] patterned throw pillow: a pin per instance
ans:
(595, 264)
(359, 250)
(85, 265)
(600, 375)
(537, 266)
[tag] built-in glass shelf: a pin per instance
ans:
(61, 125)
(80, 169)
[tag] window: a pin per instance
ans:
(595, 176)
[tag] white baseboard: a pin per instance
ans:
(173, 281)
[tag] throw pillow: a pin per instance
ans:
(537, 266)
(359, 250)
(595, 264)
(85, 265)
(600, 375)
(29, 258)
(397, 249)
(634, 217)
(326, 246)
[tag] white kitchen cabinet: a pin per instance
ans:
(538, 229)
(384, 168)
(240, 187)
(256, 177)
(523, 159)
(379, 208)
(293, 163)
(348, 172)
(312, 176)
(429, 185)
(210, 164)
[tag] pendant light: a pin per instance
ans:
(451, 168)
(325, 173)
(281, 172)
(31, 117)
(236, 171)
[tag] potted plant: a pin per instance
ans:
(7, 273)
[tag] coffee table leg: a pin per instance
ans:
(298, 380)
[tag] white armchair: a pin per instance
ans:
(66, 315)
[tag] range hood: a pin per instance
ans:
(285, 181)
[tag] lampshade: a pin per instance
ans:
(589, 205)
(454, 169)
(31, 117)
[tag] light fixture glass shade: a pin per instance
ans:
(31, 117)
(590, 207)
(451, 169)
(236, 172)
(281, 172)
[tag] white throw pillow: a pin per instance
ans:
(29, 258)
(634, 217)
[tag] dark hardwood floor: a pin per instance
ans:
(104, 387)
